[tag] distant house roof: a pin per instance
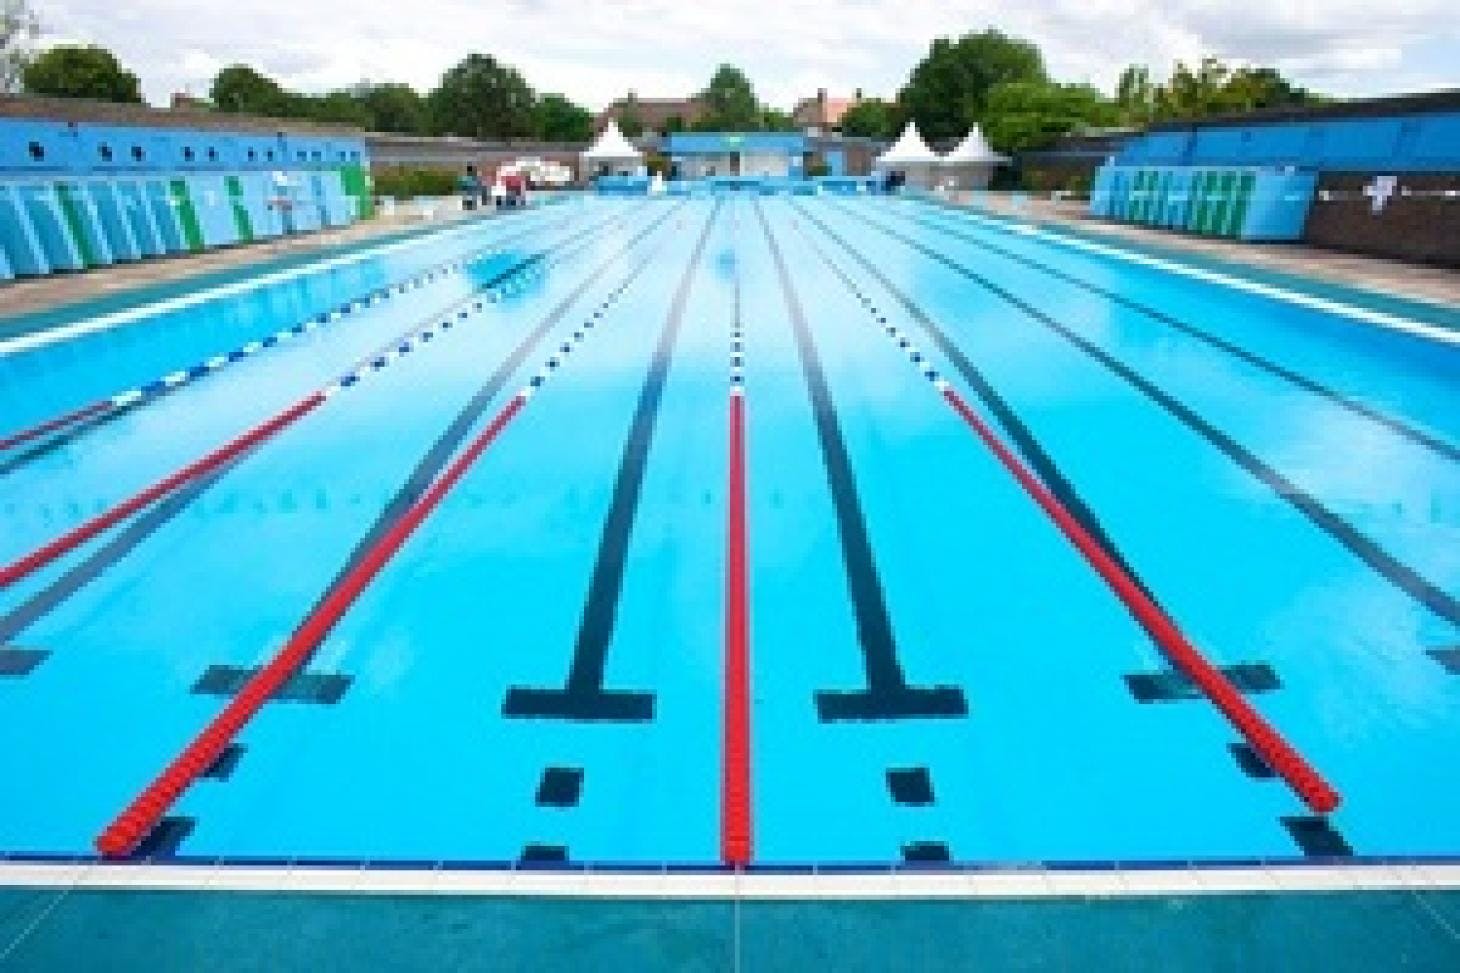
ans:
(821, 111)
(655, 113)
(723, 143)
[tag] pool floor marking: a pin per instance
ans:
(887, 695)
(327, 688)
(1014, 427)
(113, 406)
(123, 835)
(1172, 686)
(583, 696)
(38, 605)
(52, 425)
(139, 818)
(735, 789)
(17, 661)
(440, 452)
(1399, 574)
(252, 437)
(1398, 426)
(1449, 658)
(105, 322)
(1275, 751)
(1311, 301)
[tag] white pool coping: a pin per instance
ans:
(1030, 883)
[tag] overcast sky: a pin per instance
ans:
(593, 50)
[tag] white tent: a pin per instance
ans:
(911, 157)
(612, 153)
(971, 162)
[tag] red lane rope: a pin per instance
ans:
(123, 834)
(735, 820)
(1263, 738)
(80, 534)
(83, 532)
(51, 425)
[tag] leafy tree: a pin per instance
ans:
(81, 72)
(630, 122)
(1024, 115)
(1135, 95)
(674, 123)
(949, 88)
(340, 107)
(18, 30)
(730, 104)
(556, 119)
(1211, 88)
(392, 108)
(775, 120)
(871, 118)
(482, 98)
(239, 88)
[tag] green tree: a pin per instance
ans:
(730, 104)
(1024, 115)
(19, 29)
(556, 119)
(775, 120)
(338, 107)
(630, 121)
(482, 98)
(239, 88)
(871, 118)
(1213, 88)
(1135, 95)
(393, 108)
(949, 88)
(81, 72)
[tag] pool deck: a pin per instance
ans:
(42, 294)
(1395, 278)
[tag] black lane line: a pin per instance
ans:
(888, 696)
(1019, 434)
(583, 698)
(1396, 572)
(1395, 425)
(441, 451)
(70, 434)
(40, 604)
(150, 520)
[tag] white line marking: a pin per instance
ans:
(1311, 301)
(65, 332)
(980, 884)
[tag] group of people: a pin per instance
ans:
(505, 192)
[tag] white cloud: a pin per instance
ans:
(594, 51)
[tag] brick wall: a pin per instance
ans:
(1420, 225)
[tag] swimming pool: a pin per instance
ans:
(677, 532)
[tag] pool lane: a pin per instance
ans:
(43, 381)
(1298, 444)
(1053, 760)
(489, 595)
(224, 582)
(1357, 687)
(1406, 379)
(61, 490)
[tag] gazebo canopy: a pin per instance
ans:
(974, 149)
(611, 146)
(909, 149)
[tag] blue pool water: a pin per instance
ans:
(1282, 479)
